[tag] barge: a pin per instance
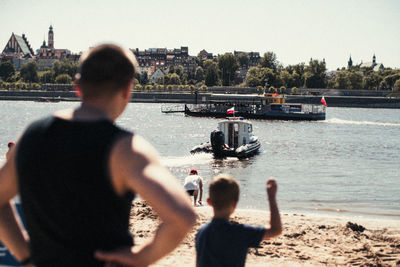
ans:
(267, 107)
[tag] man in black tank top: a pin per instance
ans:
(77, 173)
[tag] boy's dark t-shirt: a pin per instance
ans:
(221, 243)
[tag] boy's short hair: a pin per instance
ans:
(223, 191)
(105, 69)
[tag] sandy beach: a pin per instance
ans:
(307, 240)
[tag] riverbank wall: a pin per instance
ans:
(205, 97)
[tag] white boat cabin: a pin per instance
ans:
(237, 132)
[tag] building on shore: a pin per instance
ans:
(254, 57)
(149, 60)
(253, 60)
(19, 52)
(373, 65)
(204, 55)
(157, 76)
(48, 54)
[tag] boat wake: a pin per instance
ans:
(374, 123)
(190, 160)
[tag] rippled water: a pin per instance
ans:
(348, 164)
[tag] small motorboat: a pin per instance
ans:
(233, 138)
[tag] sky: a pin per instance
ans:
(295, 30)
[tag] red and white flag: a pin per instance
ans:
(231, 110)
(276, 93)
(323, 101)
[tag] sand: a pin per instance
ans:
(306, 240)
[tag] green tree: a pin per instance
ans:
(269, 61)
(297, 79)
(286, 78)
(258, 76)
(299, 69)
(396, 86)
(199, 74)
(172, 78)
(341, 81)
(211, 73)
(179, 71)
(7, 71)
(228, 65)
(355, 80)
(138, 87)
(243, 59)
(63, 79)
(371, 81)
(297, 73)
(171, 69)
(29, 73)
(65, 67)
(207, 63)
(389, 81)
(314, 75)
(253, 78)
(143, 78)
(46, 76)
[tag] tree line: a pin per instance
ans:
(269, 73)
(61, 72)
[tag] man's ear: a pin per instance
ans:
(77, 89)
(128, 89)
(235, 204)
(209, 202)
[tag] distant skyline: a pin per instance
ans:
(294, 30)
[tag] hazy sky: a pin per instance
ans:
(294, 30)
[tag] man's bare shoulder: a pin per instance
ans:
(65, 114)
(134, 146)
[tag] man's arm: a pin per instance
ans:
(275, 228)
(135, 167)
(10, 232)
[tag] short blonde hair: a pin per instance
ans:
(223, 191)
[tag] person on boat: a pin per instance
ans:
(11, 145)
(193, 184)
(77, 173)
(222, 243)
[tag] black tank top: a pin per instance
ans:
(68, 202)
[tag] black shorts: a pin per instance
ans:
(190, 192)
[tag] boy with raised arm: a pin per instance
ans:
(222, 243)
(77, 174)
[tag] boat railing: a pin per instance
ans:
(312, 108)
(172, 109)
(286, 108)
(206, 108)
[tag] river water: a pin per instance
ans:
(348, 164)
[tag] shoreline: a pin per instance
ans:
(306, 240)
(204, 97)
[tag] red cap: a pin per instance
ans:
(193, 171)
(11, 143)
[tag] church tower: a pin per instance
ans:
(349, 63)
(51, 38)
(374, 59)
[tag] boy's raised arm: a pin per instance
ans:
(275, 228)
